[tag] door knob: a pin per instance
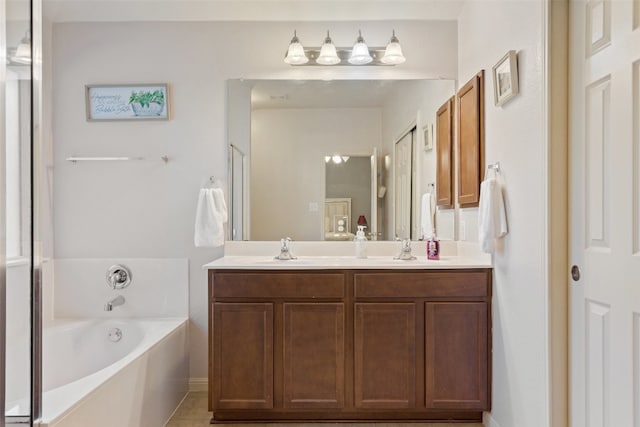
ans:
(575, 273)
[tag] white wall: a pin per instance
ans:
(146, 209)
(514, 136)
(294, 142)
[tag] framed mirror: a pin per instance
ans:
(290, 132)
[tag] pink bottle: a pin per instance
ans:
(433, 248)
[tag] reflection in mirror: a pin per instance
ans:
(288, 130)
(237, 170)
(350, 197)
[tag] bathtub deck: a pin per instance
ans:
(193, 413)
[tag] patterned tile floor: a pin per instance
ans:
(193, 413)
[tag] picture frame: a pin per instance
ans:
(427, 134)
(505, 78)
(117, 102)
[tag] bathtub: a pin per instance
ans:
(108, 373)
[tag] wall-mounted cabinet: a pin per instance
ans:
(470, 133)
(444, 156)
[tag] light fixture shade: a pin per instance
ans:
(295, 53)
(360, 54)
(393, 53)
(328, 54)
(23, 52)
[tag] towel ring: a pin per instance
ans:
(495, 167)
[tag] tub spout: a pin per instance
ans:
(119, 300)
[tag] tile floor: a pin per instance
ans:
(193, 413)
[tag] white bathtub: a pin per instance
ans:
(137, 381)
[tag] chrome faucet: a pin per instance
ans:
(119, 300)
(405, 251)
(285, 251)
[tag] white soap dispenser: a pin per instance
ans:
(361, 242)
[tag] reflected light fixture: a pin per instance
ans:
(23, 51)
(328, 53)
(296, 54)
(393, 53)
(336, 159)
(360, 54)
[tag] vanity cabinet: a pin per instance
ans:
(349, 345)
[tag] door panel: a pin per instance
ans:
(604, 213)
(402, 186)
(385, 355)
(243, 355)
(456, 350)
(313, 360)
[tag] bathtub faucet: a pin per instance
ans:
(119, 300)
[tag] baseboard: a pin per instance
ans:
(198, 384)
(488, 420)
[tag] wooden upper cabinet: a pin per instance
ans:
(444, 154)
(470, 140)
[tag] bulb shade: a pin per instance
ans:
(23, 52)
(296, 55)
(360, 54)
(393, 54)
(328, 54)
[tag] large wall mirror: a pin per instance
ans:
(322, 157)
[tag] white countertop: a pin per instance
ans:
(342, 263)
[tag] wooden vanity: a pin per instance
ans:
(349, 344)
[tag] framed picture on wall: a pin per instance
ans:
(427, 133)
(505, 78)
(127, 102)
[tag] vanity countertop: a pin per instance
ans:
(344, 263)
(341, 256)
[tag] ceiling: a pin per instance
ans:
(249, 10)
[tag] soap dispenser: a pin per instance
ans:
(361, 242)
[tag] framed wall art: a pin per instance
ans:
(127, 102)
(505, 78)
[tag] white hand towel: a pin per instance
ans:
(427, 211)
(211, 214)
(492, 218)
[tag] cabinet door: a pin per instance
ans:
(444, 156)
(243, 356)
(457, 360)
(313, 359)
(385, 355)
(470, 140)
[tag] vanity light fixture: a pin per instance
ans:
(22, 54)
(360, 54)
(336, 159)
(296, 54)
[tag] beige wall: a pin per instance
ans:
(515, 136)
(146, 208)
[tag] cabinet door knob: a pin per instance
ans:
(575, 273)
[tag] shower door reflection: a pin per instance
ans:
(17, 213)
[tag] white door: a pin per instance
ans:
(402, 191)
(605, 213)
